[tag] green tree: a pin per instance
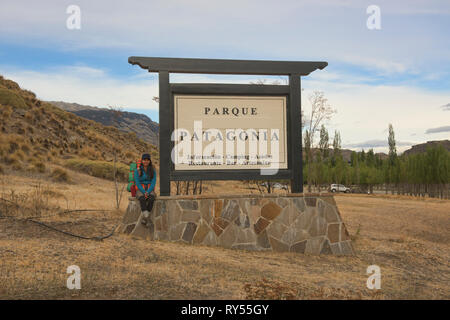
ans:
(392, 147)
(370, 158)
(336, 147)
(323, 143)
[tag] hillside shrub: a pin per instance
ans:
(39, 167)
(17, 166)
(90, 153)
(6, 112)
(11, 159)
(10, 98)
(60, 175)
(99, 169)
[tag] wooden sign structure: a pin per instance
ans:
(168, 91)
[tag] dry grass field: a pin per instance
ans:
(408, 238)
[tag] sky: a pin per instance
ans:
(398, 73)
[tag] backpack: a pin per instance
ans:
(131, 187)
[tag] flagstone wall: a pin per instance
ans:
(303, 223)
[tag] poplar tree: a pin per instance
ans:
(323, 143)
(393, 169)
(392, 147)
(336, 147)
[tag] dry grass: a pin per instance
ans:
(5, 111)
(60, 175)
(11, 98)
(100, 169)
(407, 238)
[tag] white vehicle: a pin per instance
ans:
(339, 188)
(280, 186)
(275, 185)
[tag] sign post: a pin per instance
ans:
(229, 131)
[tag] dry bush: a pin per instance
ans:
(29, 116)
(115, 147)
(90, 153)
(39, 201)
(13, 146)
(132, 135)
(34, 203)
(97, 138)
(36, 154)
(25, 148)
(131, 155)
(11, 203)
(155, 154)
(33, 159)
(39, 167)
(11, 159)
(100, 169)
(19, 154)
(60, 175)
(6, 112)
(11, 142)
(53, 193)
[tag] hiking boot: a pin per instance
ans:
(145, 215)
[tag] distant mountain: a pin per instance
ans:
(143, 126)
(346, 153)
(35, 133)
(419, 148)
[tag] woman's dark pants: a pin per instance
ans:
(146, 204)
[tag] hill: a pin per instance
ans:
(36, 133)
(420, 148)
(143, 126)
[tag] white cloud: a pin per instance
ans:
(438, 130)
(86, 85)
(365, 111)
(321, 30)
(376, 144)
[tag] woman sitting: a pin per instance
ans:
(145, 179)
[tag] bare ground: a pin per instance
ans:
(407, 238)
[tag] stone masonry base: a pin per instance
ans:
(303, 223)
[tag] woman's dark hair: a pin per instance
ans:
(150, 167)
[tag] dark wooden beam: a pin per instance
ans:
(164, 133)
(295, 147)
(235, 89)
(228, 174)
(224, 66)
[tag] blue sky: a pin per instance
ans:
(399, 74)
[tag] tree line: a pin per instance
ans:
(422, 174)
